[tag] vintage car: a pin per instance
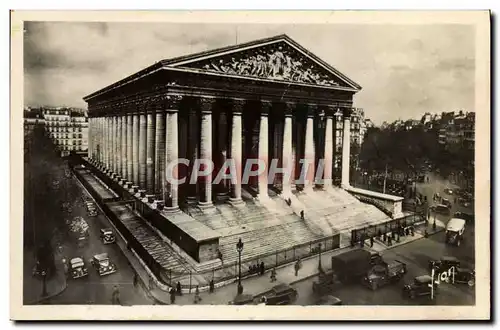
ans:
(107, 236)
(446, 202)
(77, 268)
(243, 299)
(92, 212)
(281, 294)
(328, 300)
(444, 264)
(381, 275)
(468, 217)
(102, 264)
(441, 209)
(455, 229)
(448, 191)
(464, 275)
(421, 286)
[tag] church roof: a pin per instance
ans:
(275, 58)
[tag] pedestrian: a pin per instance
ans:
(197, 297)
(115, 298)
(297, 266)
(379, 234)
(136, 279)
(151, 283)
(179, 288)
(371, 241)
(211, 286)
(385, 237)
(389, 240)
(262, 268)
(172, 296)
(302, 214)
(273, 275)
(426, 234)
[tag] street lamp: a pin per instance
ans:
(319, 262)
(239, 248)
(44, 283)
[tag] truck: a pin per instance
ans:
(384, 274)
(78, 230)
(355, 264)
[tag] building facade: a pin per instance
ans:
(32, 118)
(68, 129)
(457, 130)
(224, 104)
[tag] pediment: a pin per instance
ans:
(280, 60)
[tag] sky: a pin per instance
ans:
(404, 70)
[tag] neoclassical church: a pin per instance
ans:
(266, 99)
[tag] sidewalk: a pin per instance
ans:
(33, 286)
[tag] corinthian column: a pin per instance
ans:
(130, 158)
(108, 143)
(171, 189)
(124, 147)
(264, 149)
(135, 149)
(206, 150)
(150, 153)
(309, 155)
(193, 149)
(236, 150)
(288, 156)
(119, 146)
(346, 147)
(327, 182)
(142, 150)
(159, 151)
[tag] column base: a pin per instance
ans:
(133, 189)
(263, 197)
(236, 202)
(158, 204)
(171, 209)
(206, 207)
(140, 193)
(149, 198)
(345, 185)
(127, 185)
(192, 200)
(221, 196)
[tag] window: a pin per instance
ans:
(80, 136)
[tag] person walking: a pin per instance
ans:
(197, 297)
(172, 296)
(211, 286)
(302, 214)
(371, 242)
(179, 288)
(297, 267)
(115, 297)
(136, 280)
(262, 268)
(273, 275)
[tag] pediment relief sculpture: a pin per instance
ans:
(278, 63)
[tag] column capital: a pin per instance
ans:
(329, 111)
(311, 110)
(172, 102)
(289, 108)
(237, 106)
(265, 107)
(206, 104)
(347, 112)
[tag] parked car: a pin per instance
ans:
(243, 299)
(77, 268)
(441, 209)
(107, 236)
(444, 264)
(103, 265)
(465, 275)
(468, 217)
(381, 275)
(446, 202)
(448, 191)
(328, 300)
(92, 213)
(281, 294)
(421, 286)
(455, 231)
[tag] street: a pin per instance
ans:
(416, 255)
(44, 220)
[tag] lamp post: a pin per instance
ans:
(44, 283)
(239, 248)
(319, 262)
